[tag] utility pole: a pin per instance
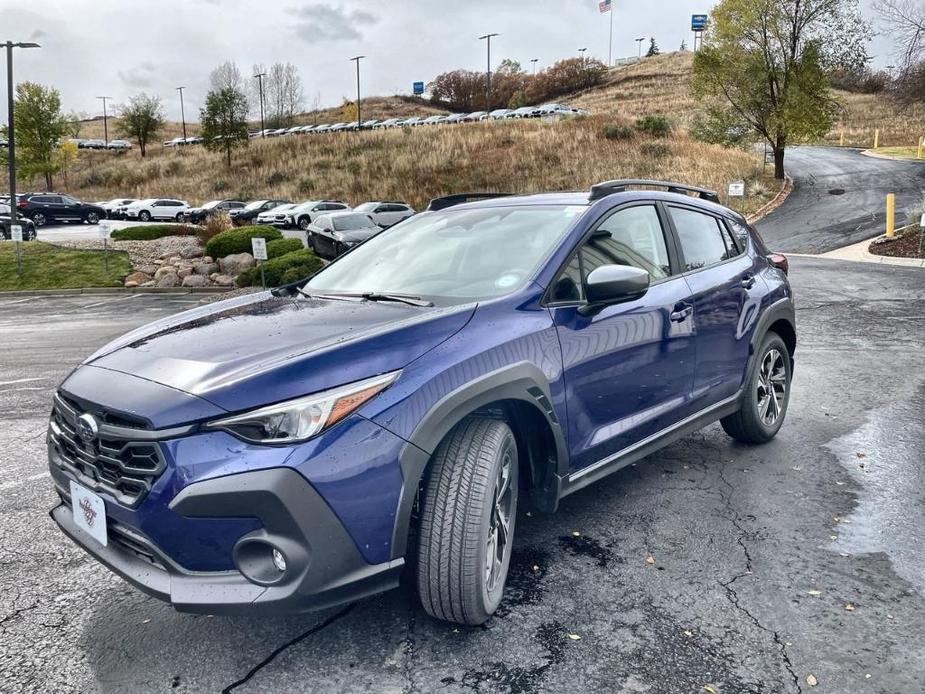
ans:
(487, 38)
(11, 134)
(534, 61)
(105, 119)
(639, 43)
(356, 59)
(260, 76)
(584, 68)
(182, 113)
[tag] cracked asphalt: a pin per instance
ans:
(710, 566)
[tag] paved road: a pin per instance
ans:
(742, 539)
(839, 198)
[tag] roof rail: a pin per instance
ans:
(602, 190)
(460, 198)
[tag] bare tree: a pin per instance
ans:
(226, 76)
(906, 21)
(285, 96)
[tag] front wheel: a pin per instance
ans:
(39, 219)
(467, 522)
(93, 218)
(144, 216)
(303, 223)
(767, 395)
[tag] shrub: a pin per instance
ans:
(613, 131)
(655, 150)
(659, 126)
(214, 225)
(283, 246)
(287, 268)
(239, 240)
(150, 232)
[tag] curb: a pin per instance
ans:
(874, 155)
(858, 253)
(116, 290)
(774, 203)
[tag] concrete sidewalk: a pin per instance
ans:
(858, 252)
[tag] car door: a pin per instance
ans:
(70, 209)
(628, 368)
(726, 293)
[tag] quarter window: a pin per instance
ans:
(703, 240)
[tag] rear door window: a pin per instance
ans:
(703, 240)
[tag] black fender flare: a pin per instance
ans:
(521, 381)
(782, 309)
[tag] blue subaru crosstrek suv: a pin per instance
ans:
(303, 447)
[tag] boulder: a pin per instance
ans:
(129, 284)
(168, 280)
(206, 269)
(148, 284)
(195, 281)
(147, 269)
(184, 272)
(205, 258)
(236, 263)
(138, 278)
(223, 280)
(163, 271)
(191, 251)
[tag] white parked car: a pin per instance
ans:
(499, 113)
(157, 208)
(111, 206)
(303, 215)
(119, 144)
(385, 213)
(276, 216)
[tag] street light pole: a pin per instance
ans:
(534, 61)
(356, 59)
(487, 39)
(11, 134)
(182, 113)
(260, 76)
(581, 54)
(105, 119)
(639, 43)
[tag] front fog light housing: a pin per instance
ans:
(260, 561)
(279, 561)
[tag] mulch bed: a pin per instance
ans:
(905, 244)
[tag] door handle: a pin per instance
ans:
(681, 312)
(748, 281)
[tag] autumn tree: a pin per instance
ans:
(224, 121)
(40, 127)
(142, 119)
(764, 67)
(653, 48)
(905, 22)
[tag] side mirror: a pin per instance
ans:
(614, 284)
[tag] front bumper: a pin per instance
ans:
(324, 566)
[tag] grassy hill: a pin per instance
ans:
(517, 156)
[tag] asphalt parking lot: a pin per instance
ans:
(708, 567)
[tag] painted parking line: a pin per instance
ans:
(21, 380)
(19, 483)
(111, 301)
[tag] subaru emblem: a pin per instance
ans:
(87, 428)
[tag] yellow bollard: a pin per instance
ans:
(918, 154)
(891, 215)
(876, 138)
(841, 140)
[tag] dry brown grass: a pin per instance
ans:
(863, 113)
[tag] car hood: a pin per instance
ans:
(258, 349)
(358, 235)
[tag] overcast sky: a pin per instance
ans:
(121, 47)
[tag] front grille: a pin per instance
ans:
(124, 468)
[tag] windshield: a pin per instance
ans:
(459, 254)
(280, 208)
(256, 204)
(366, 207)
(212, 203)
(350, 222)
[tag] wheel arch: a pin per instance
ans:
(779, 317)
(519, 394)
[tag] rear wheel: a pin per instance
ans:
(144, 216)
(467, 522)
(303, 223)
(93, 218)
(767, 395)
(39, 219)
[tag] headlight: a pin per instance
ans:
(298, 420)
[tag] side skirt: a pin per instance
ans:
(582, 478)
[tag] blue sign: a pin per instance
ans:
(418, 87)
(698, 22)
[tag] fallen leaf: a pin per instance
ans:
(839, 483)
(849, 606)
(811, 680)
(688, 633)
(867, 676)
(650, 560)
(861, 455)
(814, 592)
(535, 568)
(861, 465)
(708, 688)
(833, 537)
(797, 469)
(576, 533)
(574, 637)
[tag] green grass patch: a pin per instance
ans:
(291, 267)
(239, 240)
(897, 152)
(150, 232)
(49, 267)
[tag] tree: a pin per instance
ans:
(683, 47)
(143, 119)
(653, 48)
(284, 93)
(224, 121)
(226, 76)
(905, 20)
(40, 126)
(509, 66)
(764, 67)
(66, 156)
(348, 110)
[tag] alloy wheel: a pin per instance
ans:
(771, 388)
(38, 219)
(499, 523)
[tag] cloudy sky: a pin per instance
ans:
(121, 47)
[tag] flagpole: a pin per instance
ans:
(610, 40)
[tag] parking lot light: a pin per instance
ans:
(356, 59)
(487, 39)
(105, 120)
(182, 112)
(10, 45)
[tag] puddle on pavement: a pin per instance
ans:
(584, 546)
(524, 579)
(885, 456)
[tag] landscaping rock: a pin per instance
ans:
(130, 285)
(236, 263)
(148, 284)
(184, 272)
(195, 281)
(164, 271)
(207, 259)
(138, 278)
(206, 269)
(168, 280)
(223, 280)
(147, 269)
(191, 251)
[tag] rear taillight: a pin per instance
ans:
(779, 260)
(22, 203)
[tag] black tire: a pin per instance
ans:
(762, 412)
(303, 223)
(459, 522)
(93, 218)
(39, 219)
(144, 216)
(31, 234)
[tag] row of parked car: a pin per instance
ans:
(546, 110)
(100, 144)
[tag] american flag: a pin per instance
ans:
(604, 5)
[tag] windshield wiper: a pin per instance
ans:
(338, 297)
(402, 298)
